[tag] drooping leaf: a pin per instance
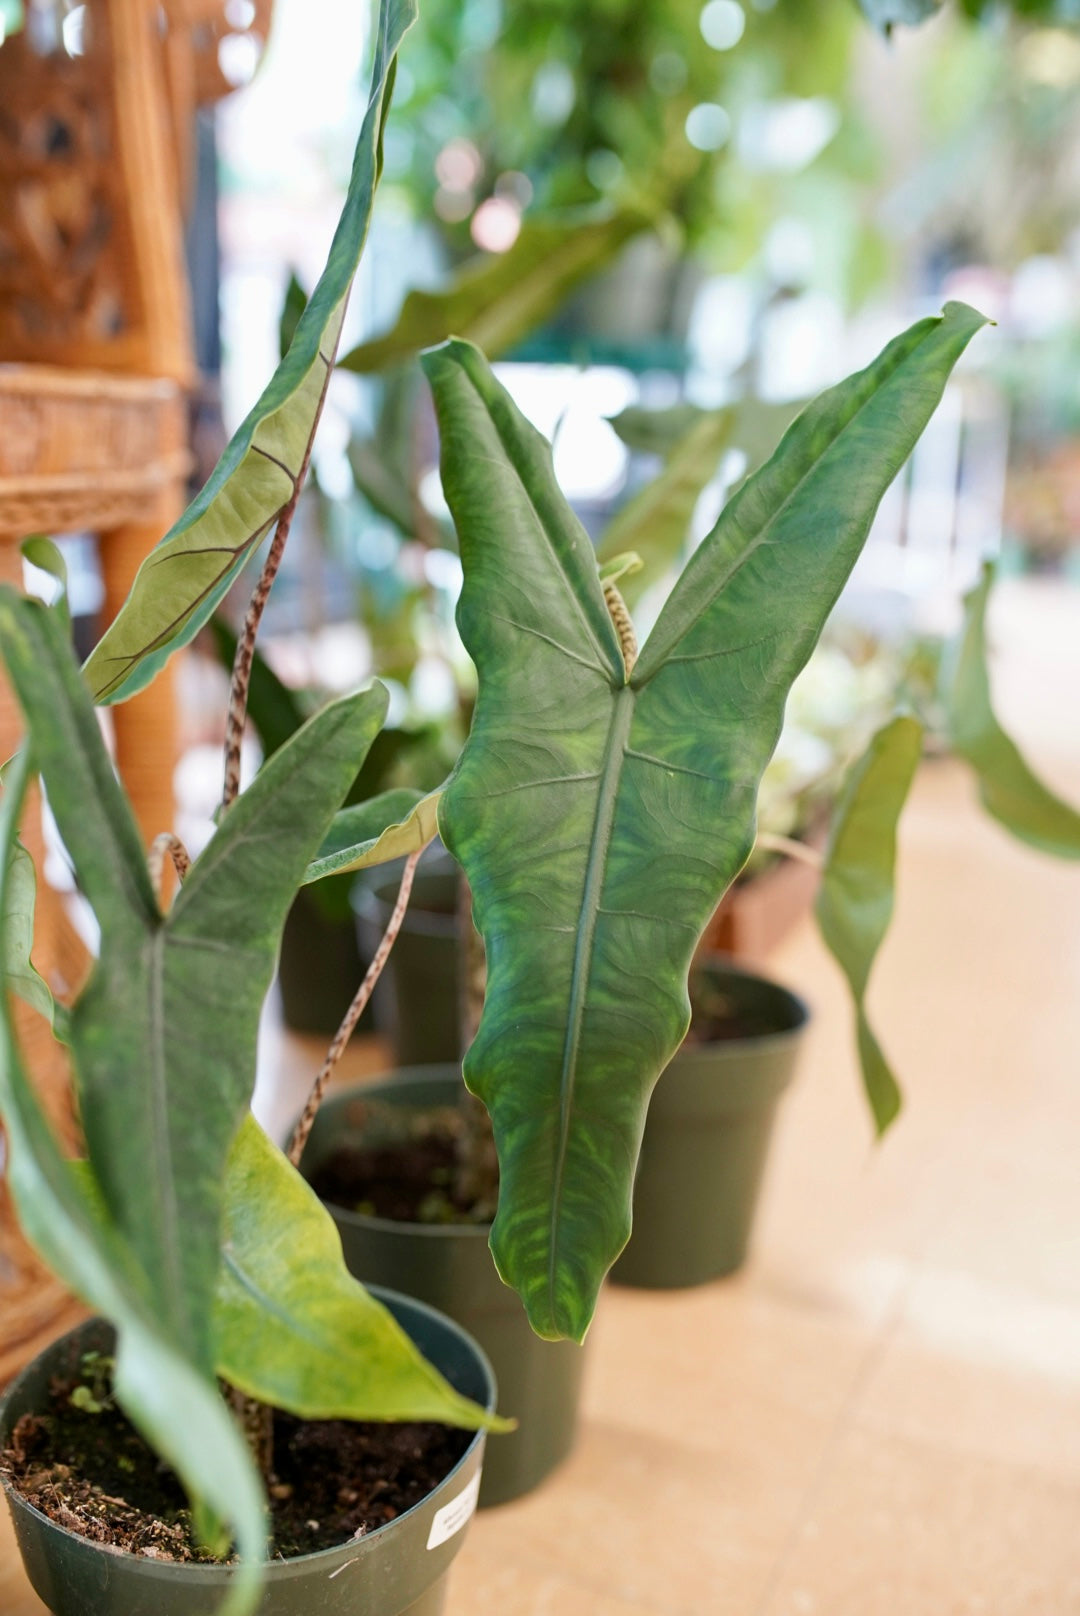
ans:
(854, 904)
(600, 818)
(498, 299)
(305, 1335)
(655, 523)
(390, 826)
(183, 581)
(175, 1405)
(164, 1035)
(1009, 789)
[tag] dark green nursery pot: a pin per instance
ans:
(707, 1138)
(450, 1267)
(399, 1570)
(418, 1002)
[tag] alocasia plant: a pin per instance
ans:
(604, 800)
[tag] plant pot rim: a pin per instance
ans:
(723, 965)
(368, 906)
(398, 1078)
(219, 1568)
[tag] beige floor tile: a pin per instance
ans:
(952, 1397)
(906, 1529)
(655, 1522)
(488, 1582)
(727, 1368)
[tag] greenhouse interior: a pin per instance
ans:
(608, 476)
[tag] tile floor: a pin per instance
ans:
(881, 1416)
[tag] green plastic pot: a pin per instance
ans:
(450, 1267)
(707, 1138)
(417, 1003)
(399, 1570)
(320, 968)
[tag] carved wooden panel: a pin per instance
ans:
(67, 270)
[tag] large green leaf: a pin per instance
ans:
(184, 579)
(304, 1335)
(1008, 787)
(855, 902)
(599, 818)
(164, 1036)
(498, 299)
(175, 1404)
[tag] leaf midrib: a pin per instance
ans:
(622, 718)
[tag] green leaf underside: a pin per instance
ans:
(497, 300)
(183, 580)
(175, 1404)
(599, 821)
(164, 1036)
(1010, 791)
(305, 1335)
(854, 905)
(389, 826)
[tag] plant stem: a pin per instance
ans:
(166, 846)
(354, 1012)
(624, 624)
(245, 654)
(790, 848)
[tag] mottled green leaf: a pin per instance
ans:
(390, 826)
(855, 901)
(305, 1335)
(175, 1404)
(498, 299)
(164, 1035)
(599, 818)
(183, 580)
(1008, 787)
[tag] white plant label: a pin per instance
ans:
(454, 1515)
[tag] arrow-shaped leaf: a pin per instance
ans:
(182, 581)
(304, 1335)
(497, 300)
(1008, 787)
(600, 818)
(855, 901)
(389, 826)
(175, 1404)
(164, 1035)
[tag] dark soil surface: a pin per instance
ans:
(419, 1166)
(333, 1480)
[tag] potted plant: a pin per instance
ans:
(708, 1130)
(603, 800)
(406, 1166)
(184, 1226)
